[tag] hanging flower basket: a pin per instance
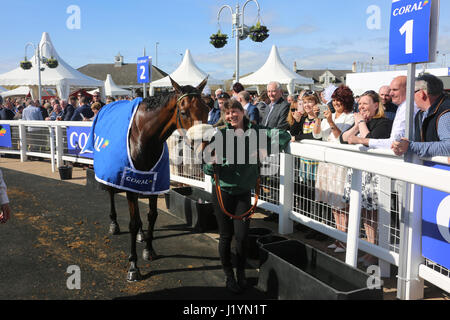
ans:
(52, 63)
(25, 65)
(259, 33)
(218, 40)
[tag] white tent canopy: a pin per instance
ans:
(186, 74)
(64, 77)
(111, 89)
(20, 91)
(275, 70)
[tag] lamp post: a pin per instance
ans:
(240, 30)
(156, 53)
(39, 58)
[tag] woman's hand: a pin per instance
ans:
(328, 115)
(359, 117)
(316, 110)
(297, 116)
(353, 140)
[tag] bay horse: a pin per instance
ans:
(154, 122)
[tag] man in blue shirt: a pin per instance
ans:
(431, 123)
(83, 111)
(31, 112)
(251, 111)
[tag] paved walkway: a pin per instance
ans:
(57, 224)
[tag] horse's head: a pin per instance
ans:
(191, 109)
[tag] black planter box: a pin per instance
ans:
(193, 206)
(271, 238)
(65, 172)
(253, 235)
(292, 270)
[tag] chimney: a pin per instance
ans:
(354, 67)
(295, 66)
(118, 60)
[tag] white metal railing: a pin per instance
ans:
(398, 180)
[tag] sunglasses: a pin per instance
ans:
(223, 96)
(309, 93)
(293, 110)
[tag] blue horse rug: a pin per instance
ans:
(108, 140)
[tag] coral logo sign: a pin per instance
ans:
(436, 224)
(410, 8)
(77, 138)
(5, 136)
(413, 31)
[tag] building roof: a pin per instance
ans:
(124, 75)
(315, 74)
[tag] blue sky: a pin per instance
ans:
(316, 34)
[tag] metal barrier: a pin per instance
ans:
(294, 193)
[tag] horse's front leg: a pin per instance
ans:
(150, 253)
(135, 224)
(114, 226)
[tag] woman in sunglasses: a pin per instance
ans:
(370, 122)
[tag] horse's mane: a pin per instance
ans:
(162, 99)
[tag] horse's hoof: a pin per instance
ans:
(140, 237)
(149, 255)
(114, 228)
(134, 275)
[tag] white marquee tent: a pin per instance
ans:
(17, 92)
(275, 70)
(112, 89)
(64, 78)
(186, 74)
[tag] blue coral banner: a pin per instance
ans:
(77, 138)
(5, 136)
(436, 224)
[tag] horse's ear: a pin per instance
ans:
(202, 85)
(175, 85)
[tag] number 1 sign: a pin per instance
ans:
(413, 31)
(144, 69)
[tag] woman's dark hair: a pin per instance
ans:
(238, 87)
(232, 104)
(344, 95)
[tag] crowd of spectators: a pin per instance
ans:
(79, 107)
(375, 119)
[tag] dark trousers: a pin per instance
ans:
(236, 205)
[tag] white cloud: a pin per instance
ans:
(302, 29)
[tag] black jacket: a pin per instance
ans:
(427, 130)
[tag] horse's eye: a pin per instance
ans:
(183, 113)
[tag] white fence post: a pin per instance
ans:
(52, 147)
(384, 222)
(208, 183)
(351, 255)
(23, 142)
(410, 285)
(285, 224)
(59, 146)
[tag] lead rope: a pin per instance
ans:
(251, 211)
(245, 215)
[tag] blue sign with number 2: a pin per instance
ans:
(143, 70)
(409, 38)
